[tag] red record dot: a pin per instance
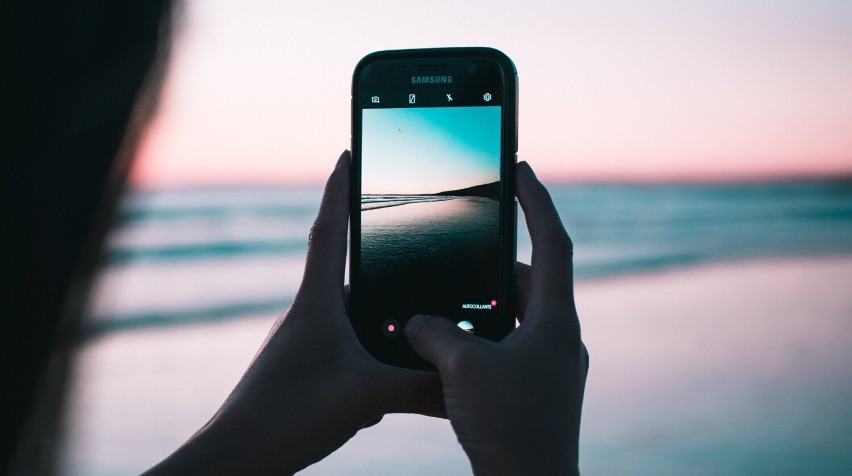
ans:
(493, 302)
(391, 328)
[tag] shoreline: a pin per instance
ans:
(735, 367)
(713, 262)
(96, 328)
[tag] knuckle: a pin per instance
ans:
(569, 333)
(321, 231)
(460, 362)
(558, 240)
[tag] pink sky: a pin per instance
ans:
(259, 92)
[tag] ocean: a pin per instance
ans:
(716, 316)
(422, 254)
(194, 254)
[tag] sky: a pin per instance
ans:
(258, 91)
(429, 150)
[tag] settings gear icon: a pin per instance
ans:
(486, 97)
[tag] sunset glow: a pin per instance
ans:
(608, 91)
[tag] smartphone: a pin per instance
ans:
(433, 212)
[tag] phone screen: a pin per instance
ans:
(431, 210)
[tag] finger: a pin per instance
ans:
(436, 339)
(372, 422)
(551, 276)
(522, 289)
(326, 260)
(346, 297)
(412, 391)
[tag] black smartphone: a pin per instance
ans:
(433, 212)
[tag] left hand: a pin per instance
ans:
(312, 385)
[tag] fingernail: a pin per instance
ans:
(344, 156)
(415, 324)
(525, 165)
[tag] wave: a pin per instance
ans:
(120, 255)
(218, 203)
(171, 214)
(396, 202)
(186, 256)
(168, 318)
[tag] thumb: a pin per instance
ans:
(435, 339)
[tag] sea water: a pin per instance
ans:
(430, 256)
(179, 255)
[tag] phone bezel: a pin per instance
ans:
(508, 212)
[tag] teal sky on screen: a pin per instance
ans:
(429, 150)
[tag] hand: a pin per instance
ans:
(515, 405)
(312, 385)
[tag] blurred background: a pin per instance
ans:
(700, 154)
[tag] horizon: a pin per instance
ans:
(610, 92)
(691, 181)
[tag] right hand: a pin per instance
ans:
(515, 405)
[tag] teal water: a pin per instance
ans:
(196, 240)
(743, 367)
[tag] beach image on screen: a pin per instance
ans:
(430, 212)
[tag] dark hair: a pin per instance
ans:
(84, 78)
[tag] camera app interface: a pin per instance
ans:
(430, 214)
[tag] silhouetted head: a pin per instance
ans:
(85, 76)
